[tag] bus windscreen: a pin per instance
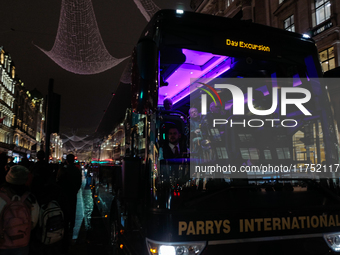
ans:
(255, 119)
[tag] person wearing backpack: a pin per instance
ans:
(69, 180)
(19, 212)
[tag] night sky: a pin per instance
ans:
(84, 98)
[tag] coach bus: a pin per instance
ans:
(263, 178)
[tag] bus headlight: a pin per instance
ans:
(180, 248)
(333, 241)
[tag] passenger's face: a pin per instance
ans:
(193, 113)
(215, 108)
(174, 136)
(167, 105)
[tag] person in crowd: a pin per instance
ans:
(16, 178)
(45, 189)
(24, 162)
(69, 180)
(174, 149)
(41, 178)
(9, 164)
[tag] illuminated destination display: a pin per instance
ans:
(245, 45)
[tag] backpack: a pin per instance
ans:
(15, 221)
(51, 223)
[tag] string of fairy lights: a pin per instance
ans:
(78, 47)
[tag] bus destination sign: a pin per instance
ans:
(246, 45)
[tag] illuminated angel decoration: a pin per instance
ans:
(147, 7)
(78, 47)
(78, 143)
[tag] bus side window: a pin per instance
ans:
(165, 141)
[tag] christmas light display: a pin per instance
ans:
(78, 47)
(147, 7)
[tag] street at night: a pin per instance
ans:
(90, 234)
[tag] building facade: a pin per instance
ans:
(21, 114)
(26, 122)
(7, 86)
(319, 19)
(56, 148)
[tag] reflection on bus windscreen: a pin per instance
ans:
(240, 119)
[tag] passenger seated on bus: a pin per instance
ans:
(195, 130)
(167, 103)
(216, 112)
(174, 148)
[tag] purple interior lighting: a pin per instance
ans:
(274, 80)
(296, 80)
(264, 90)
(198, 65)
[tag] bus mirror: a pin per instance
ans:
(144, 74)
(131, 176)
(147, 59)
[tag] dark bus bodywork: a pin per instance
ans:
(160, 207)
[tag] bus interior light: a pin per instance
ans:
(333, 241)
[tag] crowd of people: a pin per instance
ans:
(34, 186)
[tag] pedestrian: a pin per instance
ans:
(45, 190)
(24, 162)
(41, 178)
(69, 180)
(15, 191)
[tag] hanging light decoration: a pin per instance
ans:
(78, 47)
(147, 7)
(77, 142)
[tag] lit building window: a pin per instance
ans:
(288, 24)
(327, 59)
(13, 72)
(2, 57)
(228, 2)
(322, 10)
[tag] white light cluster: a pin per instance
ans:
(333, 241)
(147, 7)
(178, 248)
(78, 47)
